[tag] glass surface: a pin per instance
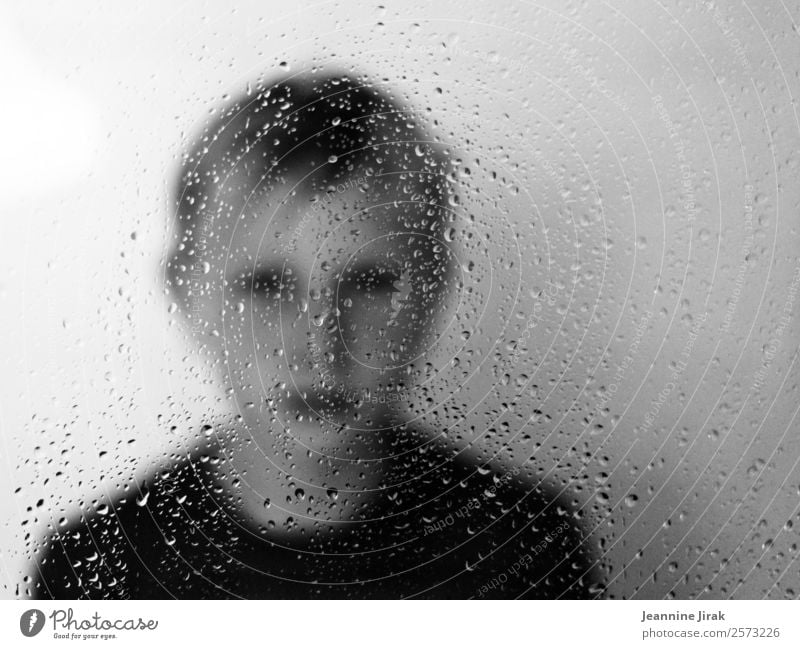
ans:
(431, 299)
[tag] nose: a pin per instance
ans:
(336, 341)
(371, 318)
(324, 351)
(354, 325)
(312, 340)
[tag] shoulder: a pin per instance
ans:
(560, 551)
(88, 558)
(520, 535)
(542, 536)
(115, 547)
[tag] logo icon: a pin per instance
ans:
(31, 622)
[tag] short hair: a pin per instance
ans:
(327, 125)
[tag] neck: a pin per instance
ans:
(289, 481)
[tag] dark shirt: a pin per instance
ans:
(442, 528)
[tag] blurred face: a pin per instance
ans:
(326, 306)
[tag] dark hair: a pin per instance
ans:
(329, 126)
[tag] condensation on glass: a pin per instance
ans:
(420, 301)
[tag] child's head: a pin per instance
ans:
(313, 250)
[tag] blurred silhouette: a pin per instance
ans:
(314, 259)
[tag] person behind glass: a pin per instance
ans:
(312, 267)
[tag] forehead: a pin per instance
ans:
(291, 204)
(292, 221)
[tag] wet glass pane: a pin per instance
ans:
(440, 300)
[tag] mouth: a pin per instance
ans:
(307, 403)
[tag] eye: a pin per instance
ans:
(270, 283)
(266, 283)
(372, 279)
